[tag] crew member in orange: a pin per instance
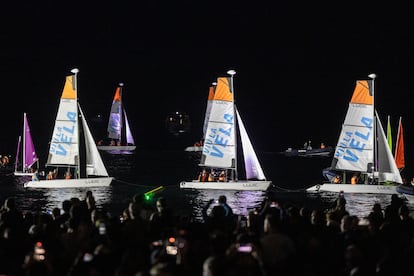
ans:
(68, 175)
(222, 176)
(203, 176)
(211, 176)
(354, 179)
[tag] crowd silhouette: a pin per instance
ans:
(150, 238)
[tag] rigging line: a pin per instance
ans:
(131, 184)
(290, 190)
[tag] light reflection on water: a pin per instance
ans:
(188, 202)
(142, 172)
(360, 204)
(240, 201)
(47, 199)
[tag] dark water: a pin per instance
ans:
(146, 170)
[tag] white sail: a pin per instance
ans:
(251, 162)
(386, 166)
(64, 145)
(94, 163)
(129, 137)
(355, 148)
(219, 145)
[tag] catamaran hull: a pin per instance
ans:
(193, 149)
(23, 174)
(244, 185)
(406, 189)
(116, 148)
(354, 189)
(70, 183)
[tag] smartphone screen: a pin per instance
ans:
(171, 249)
(245, 248)
(39, 252)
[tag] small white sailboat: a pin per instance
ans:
(363, 149)
(72, 146)
(28, 161)
(220, 146)
(119, 132)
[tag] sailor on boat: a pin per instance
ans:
(336, 179)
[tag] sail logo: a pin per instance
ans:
(63, 136)
(218, 138)
(353, 143)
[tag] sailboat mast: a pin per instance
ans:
(122, 134)
(235, 172)
(24, 161)
(375, 165)
(16, 164)
(75, 85)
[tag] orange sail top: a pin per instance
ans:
(69, 90)
(211, 93)
(223, 92)
(362, 93)
(117, 97)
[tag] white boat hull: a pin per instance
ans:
(193, 149)
(354, 189)
(70, 183)
(116, 148)
(23, 174)
(242, 185)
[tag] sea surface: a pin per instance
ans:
(163, 170)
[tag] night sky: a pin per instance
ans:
(296, 65)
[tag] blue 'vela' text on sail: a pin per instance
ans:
(218, 139)
(64, 135)
(353, 143)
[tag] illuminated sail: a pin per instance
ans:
(399, 147)
(355, 148)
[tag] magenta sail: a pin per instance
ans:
(25, 165)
